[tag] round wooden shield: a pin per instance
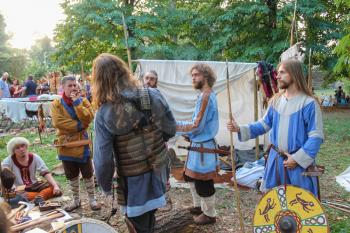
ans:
(290, 209)
(87, 225)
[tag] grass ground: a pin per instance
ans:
(334, 154)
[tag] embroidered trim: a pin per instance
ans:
(24, 170)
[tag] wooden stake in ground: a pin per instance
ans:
(233, 162)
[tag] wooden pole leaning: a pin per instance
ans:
(82, 71)
(233, 162)
(126, 35)
(256, 114)
(293, 24)
(310, 72)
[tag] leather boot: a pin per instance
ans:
(195, 210)
(204, 220)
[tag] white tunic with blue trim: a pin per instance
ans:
(297, 128)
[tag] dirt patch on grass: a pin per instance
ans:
(227, 216)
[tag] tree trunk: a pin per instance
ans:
(272, 5)
(173, 221)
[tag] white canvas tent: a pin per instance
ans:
(344, 179)
(175, 83)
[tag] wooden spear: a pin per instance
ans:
(310, 72)
(82, 70)
(293, 24)
(233, 162)
(126, 35)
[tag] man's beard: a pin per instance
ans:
(284, 85)
(198, 85)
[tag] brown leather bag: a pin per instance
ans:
(37, 186)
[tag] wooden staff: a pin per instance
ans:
(126, 35)
(233, 162)
(293, 25)
(310, 73)
(82, 70)
(256, 113)
(35, 222)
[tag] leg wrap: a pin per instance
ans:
(74, 187)
(90, 187)
(196, 198)
(208, 206)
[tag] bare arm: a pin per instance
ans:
(52, 182)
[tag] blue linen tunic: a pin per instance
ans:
(202, 131)
(295, 127)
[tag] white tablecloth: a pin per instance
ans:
(15, 108)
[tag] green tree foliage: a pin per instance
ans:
(239, 30)
(91, 27)
(12, 60)
(40, 58)
(342, 68)
(3, 36)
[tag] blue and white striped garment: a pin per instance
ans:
(295, 127)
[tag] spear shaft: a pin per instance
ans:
(233, 162)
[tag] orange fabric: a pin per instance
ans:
(45, 194)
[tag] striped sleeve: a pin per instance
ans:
(306, 155)
(257, 128)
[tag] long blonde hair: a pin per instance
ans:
(110, 76)
(295, 70)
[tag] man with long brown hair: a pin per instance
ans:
(201, 167)
(132, 124)
(295, 120)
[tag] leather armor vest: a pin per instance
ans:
(142, 149)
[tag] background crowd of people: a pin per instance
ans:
(340, 98)
(48, 84)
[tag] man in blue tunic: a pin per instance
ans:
(132, 125)
(295, 120)
(201, 167)
(4, 86)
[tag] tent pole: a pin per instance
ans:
(232, 151)
(256, 113)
